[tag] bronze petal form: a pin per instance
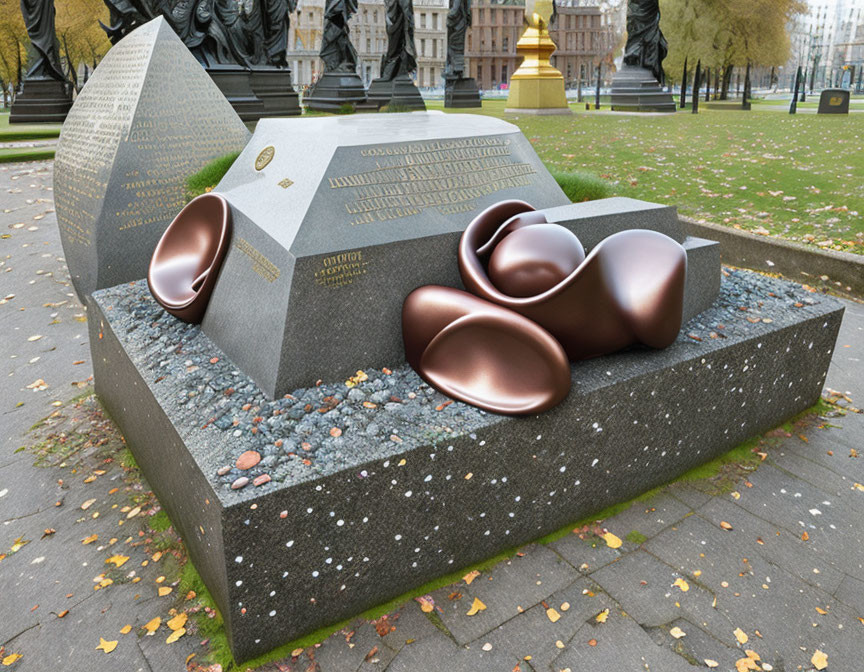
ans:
(478, 352)
(186, 262)
(629, 289)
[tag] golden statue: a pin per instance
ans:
(537, 87)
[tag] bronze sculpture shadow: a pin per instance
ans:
(536, 302)
(628, 290)
(187, 259)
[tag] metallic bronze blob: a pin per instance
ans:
(630, 288)
(533, 259)
(478, 352)
(186, 262)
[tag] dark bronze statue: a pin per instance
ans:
(276, 19)
(337, 52)
(536, 301)
(646, 46)
(401, 56)
(44, 57)
(458, 23)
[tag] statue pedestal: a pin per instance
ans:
(634, 89)
(537, 87)
(335, 89)
(397, 92)
(461, 92)
(235, 83)
(41, 100)
(274, 88)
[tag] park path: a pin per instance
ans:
(772, 567)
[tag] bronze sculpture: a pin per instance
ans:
(44, 57)
(629, 290)
(187, 259)
(401, 56)
(337, 52)
(483, 354)
(458, 23)
(646, 46)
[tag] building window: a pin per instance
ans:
(422, 47)
(503, 73)
(505, 43)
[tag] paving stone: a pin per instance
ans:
(409, 623)
(348, 648)
(518, 583)
(534, 634)
(439, 652)
(823, 478)
(696, 645)
(618, 644)
(753, 536)
(586, 555)
(851, 592)
(648, 517)
(689, 493)
(844, 435)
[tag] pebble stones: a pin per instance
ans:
(240, 483)
(248, 460)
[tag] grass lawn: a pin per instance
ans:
(16, 154)
(10, 132)
(800, 177)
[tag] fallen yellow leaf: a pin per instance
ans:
(179, 621)
(90, 539)
(682, 584)
(819, 660)
(126, 629)
(11, 659)
(552, 614)
(106, 646)
(741, 636)
(746, 665)
(602, 616)
(711, 663)
(725, 525)
(470, 576)
(677, 632)
(164, 590)
(296, 653)
(611, 540)
(820, 610)
(476, 607)
(427, 604)
(174, 636)
(117, 560)
(153, 625)
(858, 486)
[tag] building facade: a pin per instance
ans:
(828, 41)
(581, 33)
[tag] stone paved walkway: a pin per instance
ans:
(772, 567)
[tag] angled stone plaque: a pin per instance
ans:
(148, 118)
(337, 219)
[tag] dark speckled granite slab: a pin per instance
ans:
(414, 487)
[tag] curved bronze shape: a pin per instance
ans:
(186, 261)
(630, 289)
(478, 352)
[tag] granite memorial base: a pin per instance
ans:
(334, 90)
(313, 526)
(147, 119)
(834, 101)
(399, 92)
(274, 88)
(235, 83)
(41, 101)
(462, 92)
(634, 89)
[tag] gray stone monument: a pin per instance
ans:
(834, 101)
(329, 237)
(147, 119)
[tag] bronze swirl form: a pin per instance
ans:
(628, 290)
(536, 302)
(187, 259)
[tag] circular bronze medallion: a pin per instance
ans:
(264, 157)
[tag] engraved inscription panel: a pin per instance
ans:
(447, 175)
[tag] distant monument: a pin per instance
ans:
(243, 48)
(537, 87)
(340, 84)
(395, 85)
(638, 86)
(46, 95)
(459, 90)
(148, 118)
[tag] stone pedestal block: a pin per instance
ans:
(274, 88)
(235, 83)
(148, 118)
(41, 101)
(334, 90)
(328, 524)
(462, 92)
(399, 92)
(634, 89)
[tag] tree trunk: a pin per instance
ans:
(745, 99)
(726, 80)
(696, 83)
(683, 100)
(597, 95)
(707, 84)
(793, 106)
